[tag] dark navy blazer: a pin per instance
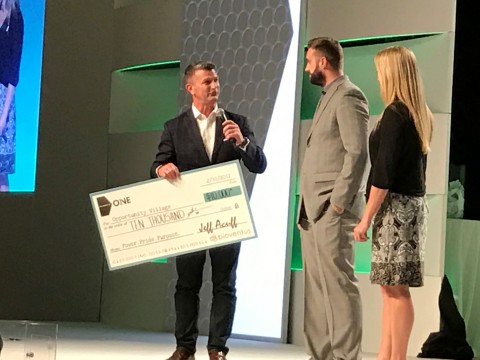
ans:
(182, 145)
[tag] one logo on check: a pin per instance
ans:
(104, 205)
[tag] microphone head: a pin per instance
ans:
(221, 114)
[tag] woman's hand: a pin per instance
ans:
(360, 231)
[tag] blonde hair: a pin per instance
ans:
(399, 79)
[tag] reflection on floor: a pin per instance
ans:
(87, 341)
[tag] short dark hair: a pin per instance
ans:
(330, 48)
(198, 65)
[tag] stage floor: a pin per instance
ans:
(92, 341)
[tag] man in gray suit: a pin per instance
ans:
(331, 203)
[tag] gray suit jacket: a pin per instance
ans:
(336, 152)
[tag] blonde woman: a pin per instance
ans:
(396, 200)
(11, 44)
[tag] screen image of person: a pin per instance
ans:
(331, 204)
(11, 43)
(201, 136)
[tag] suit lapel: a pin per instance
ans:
(322, 104)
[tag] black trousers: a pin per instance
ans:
(224, 262)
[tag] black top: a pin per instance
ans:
(11, 44)
(398, 163)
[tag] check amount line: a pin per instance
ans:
(174, 209)
(154, 212)
(168, 223)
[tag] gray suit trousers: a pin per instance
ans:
(333, 309)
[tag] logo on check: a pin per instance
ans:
(104, 205)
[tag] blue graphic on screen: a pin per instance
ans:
(21, 48)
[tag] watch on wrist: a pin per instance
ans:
(243, 143)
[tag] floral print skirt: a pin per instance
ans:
(398, 241)
(7, 136)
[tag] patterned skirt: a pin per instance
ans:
(7, 136)
(398, 241)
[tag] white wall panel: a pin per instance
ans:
(438, 158)
(435, 59)
(436, 230)
(346, 19)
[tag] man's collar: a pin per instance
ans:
(336, 80)
(197, 113)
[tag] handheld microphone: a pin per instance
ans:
(223, 117)
(221, 114)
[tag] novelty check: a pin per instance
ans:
(158, 218)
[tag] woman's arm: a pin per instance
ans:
(374, 202)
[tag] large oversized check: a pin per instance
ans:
(158, 218)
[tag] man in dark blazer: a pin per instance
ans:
(201, 136)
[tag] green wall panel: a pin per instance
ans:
(143, 99)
